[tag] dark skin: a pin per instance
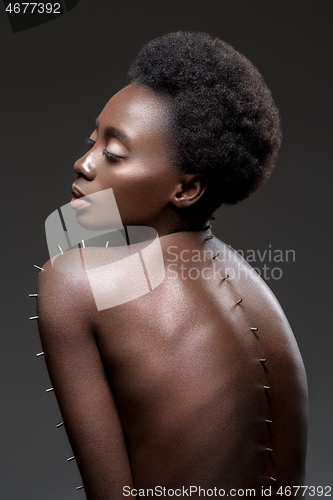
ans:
(168, 389)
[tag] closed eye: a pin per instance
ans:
(112, 156)
(107, 153)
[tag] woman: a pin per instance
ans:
(197, 386)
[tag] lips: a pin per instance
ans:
(79, 200)
(76, 192)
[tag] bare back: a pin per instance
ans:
(198, 375)
(206, 376)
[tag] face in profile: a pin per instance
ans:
(129, 153)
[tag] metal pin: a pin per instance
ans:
(266, 387)
(79, 487)
(40, 354)
(71, 458)
(270, 450)
(50, 389)
(107, 244)
(216, 255)
(253, 328)
(272, 479)
(32, 294)
(83, 244)
(225, 277)
(240, 300)
(33, 317)
(60, 249)
(210, 237)
(269, 421)
(37, 267)
(263, 360)
(59, 425)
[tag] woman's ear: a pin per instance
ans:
(189, 190)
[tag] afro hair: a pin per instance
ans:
(225, 125)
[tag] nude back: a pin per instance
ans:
(207, 376)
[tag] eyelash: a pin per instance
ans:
(106, 153)
(89, 141)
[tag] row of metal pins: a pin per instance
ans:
(36, 317)
(266, 387)
(269, 422)
(42, 354)
(58, 426)
(253, 329)
(83, 245)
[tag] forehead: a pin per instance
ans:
(137, 112)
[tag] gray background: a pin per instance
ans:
(55, 79)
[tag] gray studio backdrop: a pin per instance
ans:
(55, 79)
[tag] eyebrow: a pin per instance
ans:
(118, 134)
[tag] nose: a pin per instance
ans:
(84, 166)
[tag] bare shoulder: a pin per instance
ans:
(63, 294)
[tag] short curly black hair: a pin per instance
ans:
(225, 124)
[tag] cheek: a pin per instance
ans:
(140, 192)
(140, 181)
